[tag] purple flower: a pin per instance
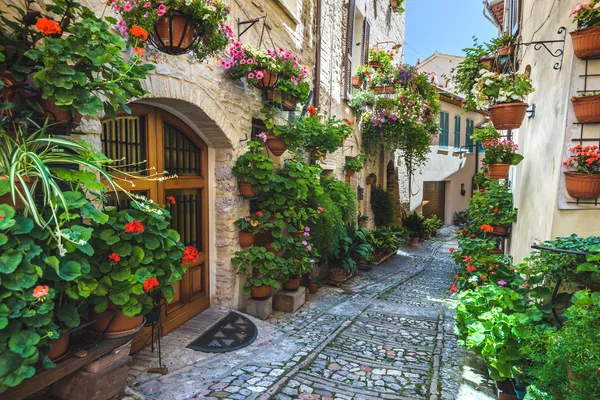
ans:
(309, 248)
(262, 136)
(307, 229)
(306, 234)
(304, 242)
(501, 283)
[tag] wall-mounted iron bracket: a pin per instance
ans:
(531, 111)
(559, 53)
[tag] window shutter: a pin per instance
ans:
(349, 48)
(366, 41)
(514, 8)
(457, 127)
(469, 141)
(444, 129)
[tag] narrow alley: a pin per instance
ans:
(386, 335)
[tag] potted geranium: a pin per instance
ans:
(380, 58)
(257, 66)
(586, 39)
(504, 94)
(584, 181)
(252, 225)
(354, 164)
(261, 269)
(432, 225)
(253, 169)
(485, 135)
(587, 107)
(493, 206)
(302, 258)
(177, 26)
(499, 156)
(292, 82)
(363, 73)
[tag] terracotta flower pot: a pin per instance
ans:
(498, 171)
(276, 145)
(508, 115)
(268, 81)
(582, 186)
(337, 275)
(586, 42)
(394, 5)
(57, 115)
(246, 190)
(174, 34)
(506, 50)
(18, 205)
(246, 239)
(356, 81)
(414, 241)
(587, 109)
(456, 222)
(288, 103)
(273, 96)
(59, 346)
(487, 62)
(313, 288)
(270, 248)
(387, 89)
(260, 292)
(375, 64)
(292, 284)
(350, 173)
(370, 180)
(500, 229)
(119, 326)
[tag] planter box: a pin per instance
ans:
(587, 109)
(582, 186)
(586, 42)
(384, 89)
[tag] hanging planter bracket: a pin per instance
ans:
(558, 53)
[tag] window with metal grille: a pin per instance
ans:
(444, 129)
(457, 127)
(124, 140)
(186, 215)
(182, 155)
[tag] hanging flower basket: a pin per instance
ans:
(498, 171)
(288, 103)
(582, 186)
(375, 64)
(273, 97)
(276, 145)
(586, 42)
(356, 81)
(384, 89)
(260, 292)
(587, 108)
(508, 115)
(246, 190)
(268, 80)
(246, 239)
(175, 34)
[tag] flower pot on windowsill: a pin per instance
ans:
(498, 171)
(288, 103)
(174, 34)
(246, 190)
(586, 42)
(276, 145)
(59, 347)
(386, 89)
(508, 115)
(337, 275)
(582, 186)
(246, 239)
(118, 326)
(350, 173)
(507, 50)
(260, 292)
(357, 82)
(587, 108)
(292, 284)
(268, 81)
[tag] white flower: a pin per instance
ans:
(473, 279)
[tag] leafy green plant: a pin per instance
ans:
(505, 40)
(362, 99)
(586, 15)
(385, 240)
(254, 167)
(493, 206)
(465, 74)
(260, 267)
(135, 245)
(433, 223)
(485, 133)
(257, 223)
(343, 196)
(354, 248)
(208, 18)
(325, 134)
(494, 88)
(463, 217)
(364, 72)
(355, 163)
(384, 207)
(382, 56)
(415, 223)
(502, 152)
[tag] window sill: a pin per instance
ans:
(288, 11)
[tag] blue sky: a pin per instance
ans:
(444, 25)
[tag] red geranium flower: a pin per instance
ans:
(150, 283)
(190, 254)
(486, 228)
(471, 268)
(138, 31)
(48, 27)
(115, 257)
(259, 214)
(40, 291)
(171, 200)
(453, 288)
(139, 51)
(134, 227)
(311, 110)
(451, 249)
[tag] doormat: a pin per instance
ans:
(232, 332)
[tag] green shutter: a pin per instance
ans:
(444, 129)
(457, 127)
(469, 141)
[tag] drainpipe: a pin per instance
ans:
(317, 78)
(487, 8)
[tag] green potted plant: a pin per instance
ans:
(178, 26)
(354, 164)
(325, 134)
(504, 95)
(261, 269)
(252, 225)
(462, 217)
(397, 5)
(505, 44)
(493, 206)
(313, 286)
(135, 254)
(361, 100)
(586, 39)
(432, 225)
(380, 58)
(499, 156)
(485, 134)
(586, 107)
(292, 82)
(465, 74)
(362, 220)
(302, 256)
(355, 247)
(415, 223)
(253, 169)
(362, 74)
(584, 181)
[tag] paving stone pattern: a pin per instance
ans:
(388, 334)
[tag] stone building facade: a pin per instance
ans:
(217, 115)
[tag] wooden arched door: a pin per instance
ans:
(154, 141)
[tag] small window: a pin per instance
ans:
(444, 129)
(457, 127)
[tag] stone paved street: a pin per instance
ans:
(386, 334)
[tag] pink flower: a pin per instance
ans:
(312, 260)
(580, 6)
(259, 75)
(501, 283)
(117, 7)
(320, 209)
(250, 61)
(127, 7)
(262, 136)
(242, 61)
(306, 234)
(307, 229)
(162, 9)
(148, 4)
(250, 75)
(304, 242)
(309, 248)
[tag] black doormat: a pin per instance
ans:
(232, 332)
